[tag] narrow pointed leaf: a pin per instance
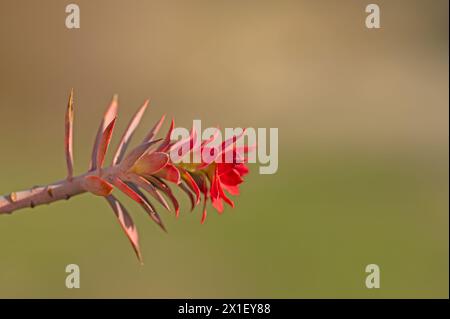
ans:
(204, 212)
(130, 192)
(159, 184)
(127, 224)
(215, 193)
(148, 187)
(166, 143)
(190, 182)
(187, 190)
(68, 142)
(124, 188)
(136, 154)
(128, 134)
(104, 143)
(110, 115)
(151, 135)
(225, 197)
(201, 181)
(154, 214)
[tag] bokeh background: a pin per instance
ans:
(363, 136)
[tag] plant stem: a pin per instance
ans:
(48, 194)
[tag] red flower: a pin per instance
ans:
(222, 173)
(226, 177)
(217, 176)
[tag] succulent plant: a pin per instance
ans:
(146, 170)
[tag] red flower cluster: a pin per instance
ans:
(145, 170)
(223, 172)
(149, 167)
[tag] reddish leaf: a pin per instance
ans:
(130, 192)
(153, 215)
(68, 141)
(215, 192)
(187, 190)
(104, 143)
(151, 163)
(97, 186)
(148, 187)
(166, 189)
(169, 173)
(225, 197)
(127, 224)
(110, 115)
(166, 143)
(205, 213)
(190, 182)
(136, 154)
(128, 134)
(151, 135)
(203, 187)
(127, 190)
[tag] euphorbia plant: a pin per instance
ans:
(146, 169)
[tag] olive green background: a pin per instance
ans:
(363, 136)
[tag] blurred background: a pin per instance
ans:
(363, 136)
